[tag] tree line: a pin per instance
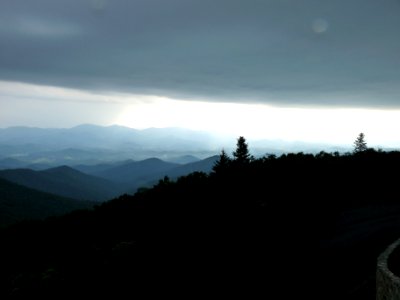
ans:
(249, 226)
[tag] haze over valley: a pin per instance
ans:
(40, 148)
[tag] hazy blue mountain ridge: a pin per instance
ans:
(41, 148)
(104, 181)
(92, 136)
(147, 172)
(137, 170)
(204, 165)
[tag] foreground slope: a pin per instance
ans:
(19, 203)
(66, 182)
(299, 226)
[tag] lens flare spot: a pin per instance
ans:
(320, 26)
(98, 4)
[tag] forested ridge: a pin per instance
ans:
(18, 203)
(297, 225)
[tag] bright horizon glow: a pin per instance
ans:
(258, 121)
(44, 106)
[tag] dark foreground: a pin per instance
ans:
(294, 226)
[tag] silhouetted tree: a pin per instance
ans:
(222, 163)
(164, 182)
(241, 154)
(360, 145)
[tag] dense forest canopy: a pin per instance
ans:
(251, 225)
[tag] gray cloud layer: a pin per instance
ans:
(302, 52)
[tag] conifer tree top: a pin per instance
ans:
(360, 145)
(241, 154)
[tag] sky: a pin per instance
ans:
(310, 70)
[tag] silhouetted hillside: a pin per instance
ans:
(65, 181)
(297, 225)
(19, 203)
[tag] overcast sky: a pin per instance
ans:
(62, 58)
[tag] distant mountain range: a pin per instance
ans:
(53, 166)
(104, 181)
(50, 171)
(42, 148)
(33, 194)
(136, 170)
(146, 172)
(89, 144)
(204, 165)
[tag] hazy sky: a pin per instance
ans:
(292, 69)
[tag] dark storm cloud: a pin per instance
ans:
(310, 52)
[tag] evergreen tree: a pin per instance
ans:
(222, 163)
(241, 154)
(360, 145)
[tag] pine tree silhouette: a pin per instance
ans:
(360, 145)
(222, 163)
(241, 154)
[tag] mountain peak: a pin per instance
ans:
(60, 168)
